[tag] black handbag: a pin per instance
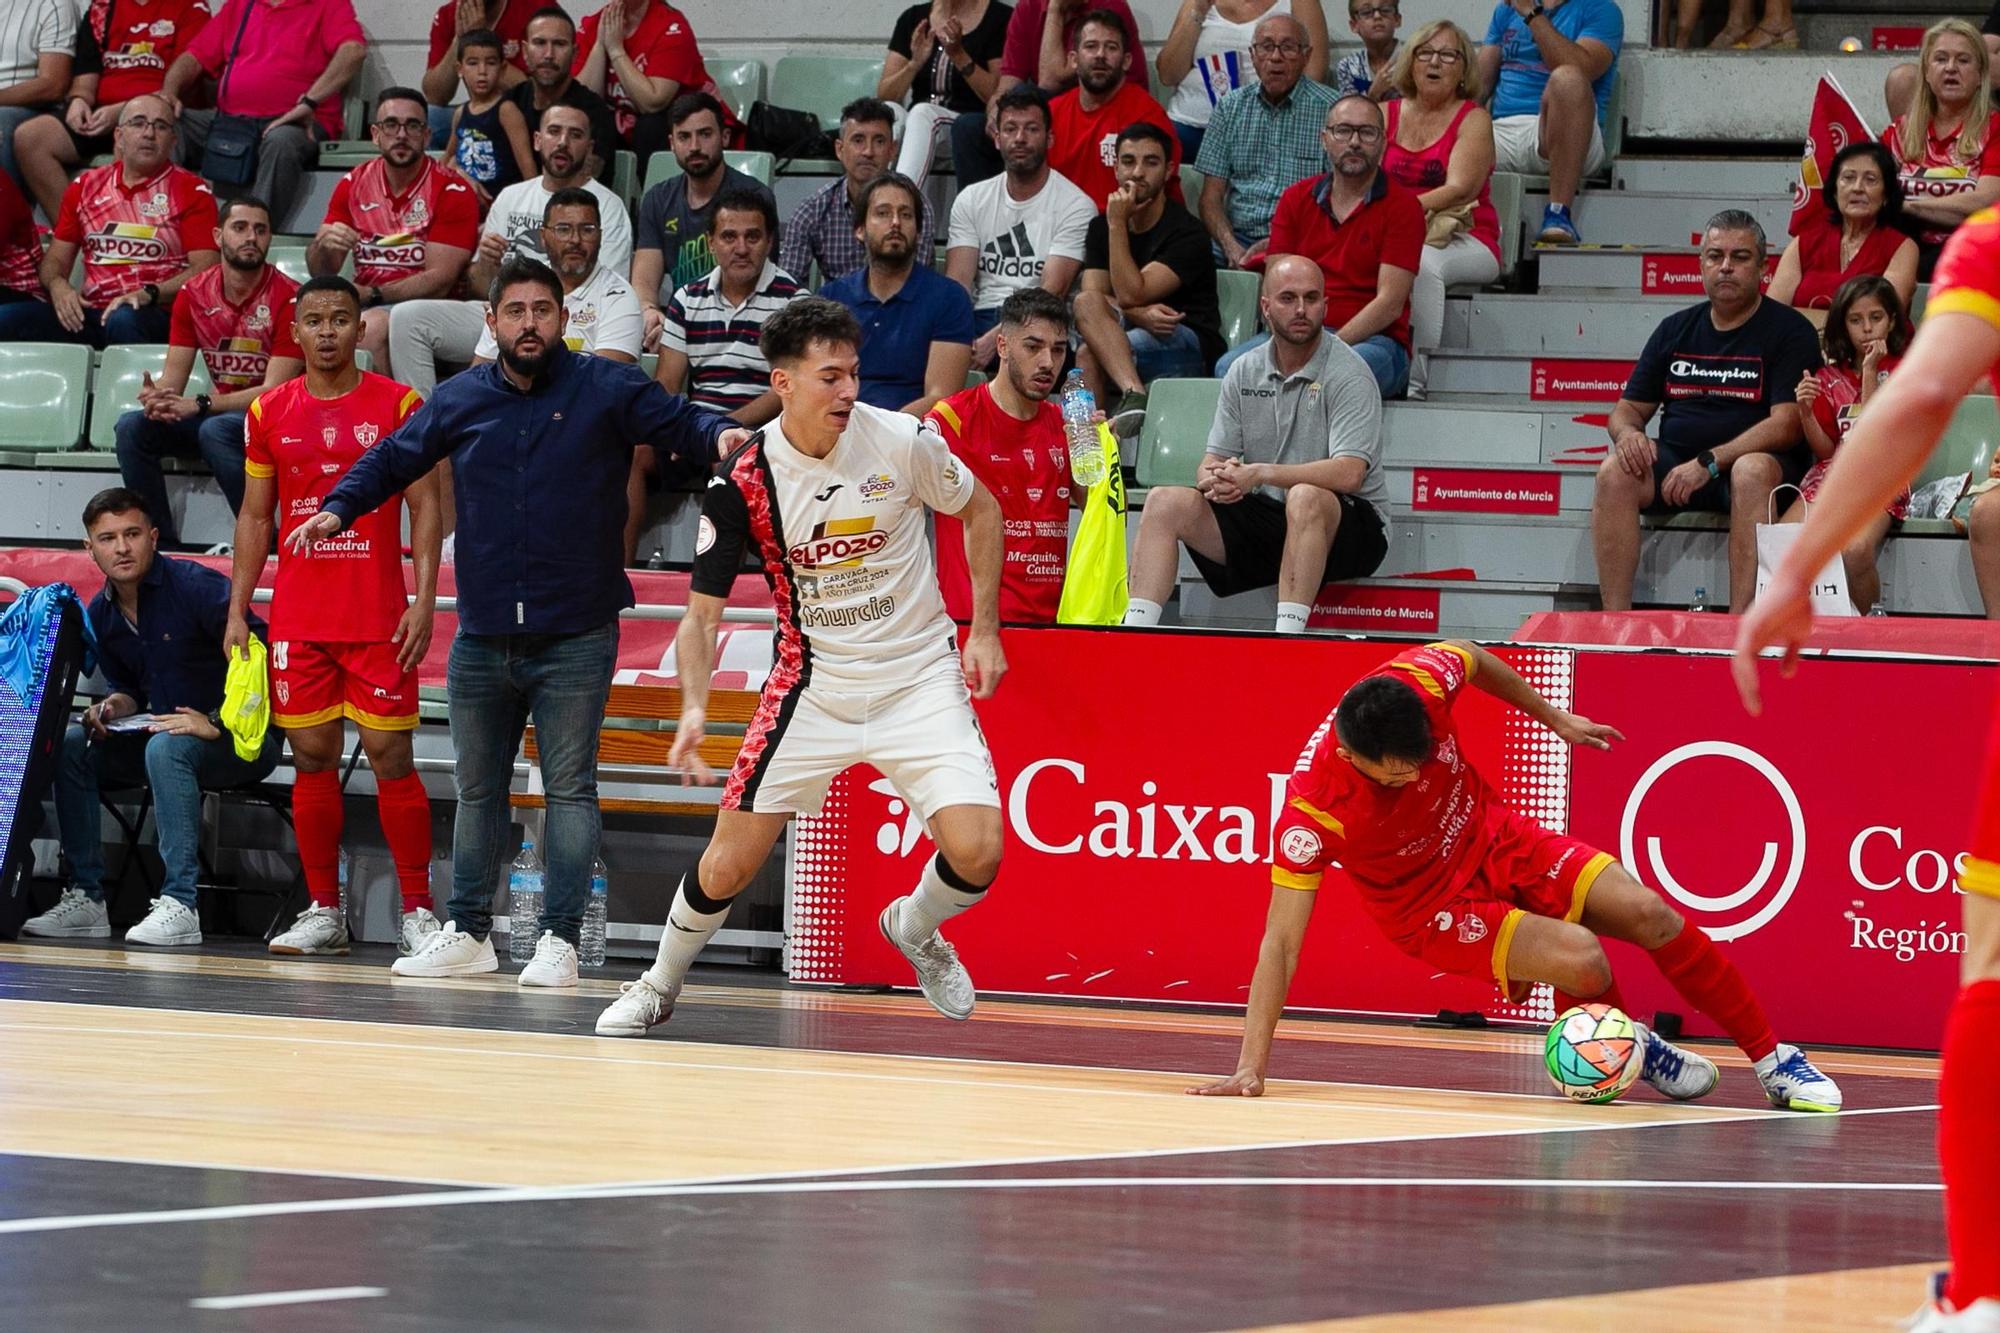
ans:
(230, 156)
(784, 133)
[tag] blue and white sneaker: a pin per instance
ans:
(1558, 227)
(1938, 1315)
(1792, 1084)
(1681, 1075)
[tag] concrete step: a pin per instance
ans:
(1523, 494)
(1496, 431)
(1571, 326)
(1647, 217)
(1753, 176)
(1538, 377)
(1583, 271)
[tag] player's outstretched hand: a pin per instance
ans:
(1781, 615)
(1577, 730)
(685, 758)
(985, 664)
(413, 636)
(1239, 1084)
(319, 527)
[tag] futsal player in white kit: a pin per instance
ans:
(828, 501)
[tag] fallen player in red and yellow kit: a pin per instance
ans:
(1454, 877)
(345, 641)
(1957, 345)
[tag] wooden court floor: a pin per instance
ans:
(187, 1137)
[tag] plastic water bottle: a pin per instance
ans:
(524, 904)
(1086, 451)
(343, 886)
(590, 949)
(1700, 602)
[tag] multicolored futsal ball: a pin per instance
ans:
(1593, 1053)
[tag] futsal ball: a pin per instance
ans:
(1593, 1053)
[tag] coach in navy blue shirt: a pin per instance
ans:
(916, 324)
(540, 443)
(159, 624)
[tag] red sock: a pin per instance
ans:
(405, 811)
(1968, 1157)
(1711, 983)
(316, 821)
(1566, 1002)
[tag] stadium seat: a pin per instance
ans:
(1507, 189)
(1191, 183)
(663, 167)
(115, 390)
(1175, 436)
(739, 79)
(625, 177)
(43, 387)
(1968, 446)
(290, 260)
(1236, 293)
(974, 378)
(823, 84)
(346, 154)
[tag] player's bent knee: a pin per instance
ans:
(1657, 924)
(723, 873)
(974, 853)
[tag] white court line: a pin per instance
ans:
(396, 1202)
(308, 1296)
(128, 1159)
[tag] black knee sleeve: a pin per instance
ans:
(954, 879)
(697, 901)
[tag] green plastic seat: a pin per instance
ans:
(1236, 293)
(290, 260)
(1967, 446)
(43, 390)
(115, 390)
(823, 84)
(625, 177)
(663, 167)
(1175, 436)
(739, 80)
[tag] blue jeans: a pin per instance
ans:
(440, 123)
(36, 322)
(142, 442)
(496, 683)
(11, 119)
(1388, 360)
(177, 769)
(1190, 137)
(1178, 356)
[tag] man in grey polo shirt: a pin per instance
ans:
(1291, 490)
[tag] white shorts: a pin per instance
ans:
(923, 737)
(1517, 147)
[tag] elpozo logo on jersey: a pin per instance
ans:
(402, 250)
(125, 243)
(838, 542)
(1748, 784)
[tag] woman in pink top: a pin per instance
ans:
(1441, 148)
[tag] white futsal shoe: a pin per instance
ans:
(554, 963)
(169, 924)
(1939, 1316)
(76, 916)
(640, 1006)
(1681, 1075)
(448, 953)
(318, 930)
(944, 980)
(1792, 1084)
(417, 927)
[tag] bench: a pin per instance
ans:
(638, 735)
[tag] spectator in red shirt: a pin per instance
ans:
(143, 225)
(647, 57)
(1084, 122)
(508, 19)
(291, 61)
(1857, 235)
(1948, 147)
(20, 248)
(237, 316)
(1040, 34)
(1365, 232)
(122, 49)
(408, 224)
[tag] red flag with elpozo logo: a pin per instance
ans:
(1835, 124)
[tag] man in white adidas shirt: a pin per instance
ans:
(830, 499)
(424, 333)
(1023, 228)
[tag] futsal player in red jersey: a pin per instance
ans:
(1453, 877)
(1957, 344)
(1010, 435)
(345, 642)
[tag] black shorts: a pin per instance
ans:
(1714, 497)
(1253, 544)
(87, 146)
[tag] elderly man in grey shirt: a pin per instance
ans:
(1291, 489)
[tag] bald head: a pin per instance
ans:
(144, 139)
(1293, 299)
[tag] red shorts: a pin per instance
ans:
(312, 683)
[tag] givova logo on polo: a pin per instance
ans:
(1011, 255)
(838, 543)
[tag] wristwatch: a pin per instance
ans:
(152, 291)
(1540, 11)
(309, 101)
(1707, 459)
(204, 404)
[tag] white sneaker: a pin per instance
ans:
(1938, 1315)
(639, 1006)
(417, 926)
(318, 930)
(944, 980)
(1792, 1084)
(76, 916)
(554, 963)
(1673, 1072)
(170, 923)
(448, 953)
